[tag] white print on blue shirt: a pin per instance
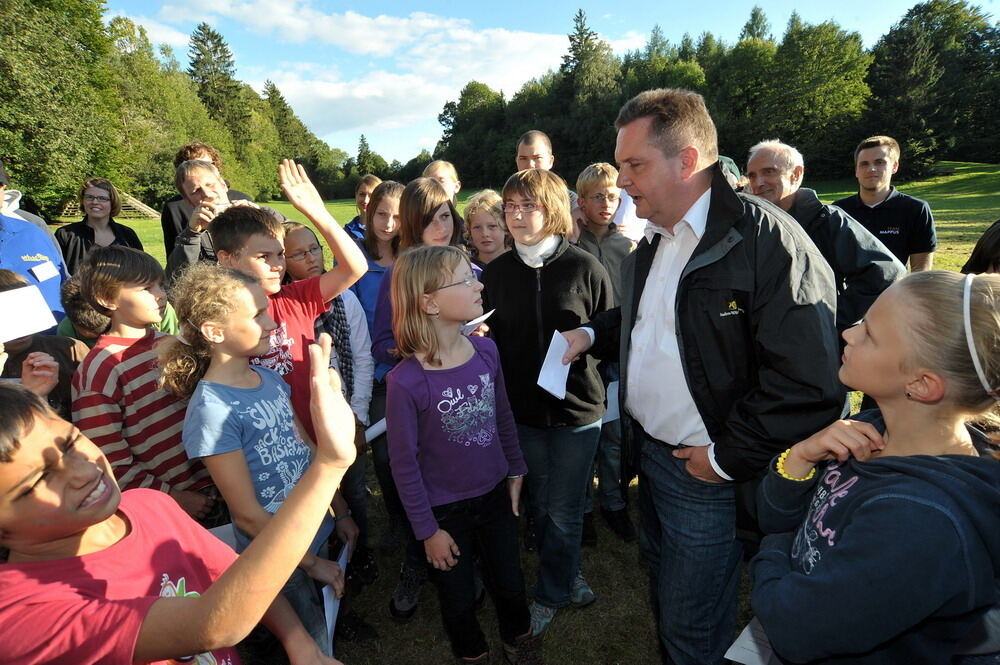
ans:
(814, 536)
(468, 414)
(281, 456)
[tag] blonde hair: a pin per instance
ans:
(487, 201)
(203, 292)
(417, 272)
(595, 176)
(417, 206)
(440, 164)
(105, 184)
(547, 190)
(938, 333)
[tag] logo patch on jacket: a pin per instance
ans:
(732, 309)
(34, 257)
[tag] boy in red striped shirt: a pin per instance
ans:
(117, 400)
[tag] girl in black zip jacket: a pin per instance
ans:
(547, 285)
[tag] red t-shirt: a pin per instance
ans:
(294, 309)
(89, 609)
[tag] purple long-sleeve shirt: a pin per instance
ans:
(451, 433)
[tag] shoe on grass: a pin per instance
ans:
(526, 650)
(581, 595)
(406, 595)
(588, 538)
(620, 523)
(541, 617)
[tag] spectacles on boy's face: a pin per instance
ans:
(524, 208)
(601, 198)
(315, 251)
(468, 281)
(98, 199)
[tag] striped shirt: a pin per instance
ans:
(118, 405)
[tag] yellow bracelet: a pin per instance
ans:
(779, 466)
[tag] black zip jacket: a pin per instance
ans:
(755, 326)
(77, 239)
(568, 290)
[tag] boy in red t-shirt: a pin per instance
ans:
(94, 575)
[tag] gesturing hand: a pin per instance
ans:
(840, 440)
(40, 373)
(332, 418)
(298, 189)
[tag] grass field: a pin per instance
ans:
(965, 199)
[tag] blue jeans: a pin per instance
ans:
(688, 538)
(304, 596)
(609, 467)
(559, 469)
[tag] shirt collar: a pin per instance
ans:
(696, 218)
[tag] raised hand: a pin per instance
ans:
(299, 190)
(332, 417)
(40, 373)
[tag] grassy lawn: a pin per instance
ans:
(965, 199)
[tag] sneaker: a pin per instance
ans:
(406, 595)
(352, 628)
(589, 536)
(541, 617)
(620, 523)
(527, 650)
(529, 534)
(363, 568)
(581, 595)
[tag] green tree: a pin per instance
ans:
(473, 137)
(213, 71)
(736, 95)
(757, 26)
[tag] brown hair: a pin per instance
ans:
(417, 206)
(203, 292)
(368, 179)
(534, 136)
(196, 149)
(679, 119)
(876, 141)
(938, 333)
(106, 269)
(18, 409)
(105, 184)
(186, 168)
(547, 190)
(387, 189)
(78, 309)
(985, 255)
(416, 272)
(231, 230)
(10, 280)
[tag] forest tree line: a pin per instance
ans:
(83, 97)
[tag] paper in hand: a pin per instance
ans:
(32, 313)
(552, 377)
(331, 604)
(469, 327)
(752, 647)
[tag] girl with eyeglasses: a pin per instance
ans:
(454, 449)
(546, 285)
(100, 203)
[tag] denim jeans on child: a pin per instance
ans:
(484, 525)
(688, 538)
(304, 596)
(559, 469)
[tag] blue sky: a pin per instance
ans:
(385, 69)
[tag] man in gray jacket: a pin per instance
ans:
(862, 266)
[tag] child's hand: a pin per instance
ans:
(514, 487)
(299, 190)
(327, 572)
(39, 373)
(442, 552)
(347, 532)
(842, 439)
(332, 418)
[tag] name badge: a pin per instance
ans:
(44, 271)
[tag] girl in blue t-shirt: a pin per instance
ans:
(239, 419)
(454, 451)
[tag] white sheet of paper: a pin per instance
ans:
(553, 374)
(375, 431)
(44, 271)
(32, 313)
(612, 414)
(752, 647)
(331, 604)
(474, 323)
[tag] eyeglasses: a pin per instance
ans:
(468, 281)
(610, 198)
(525, 208)
(98, 199)
(300, 256)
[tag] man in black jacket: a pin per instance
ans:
(729, 355)
(862, 266)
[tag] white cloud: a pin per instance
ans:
(631, 41)
(159, 33)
